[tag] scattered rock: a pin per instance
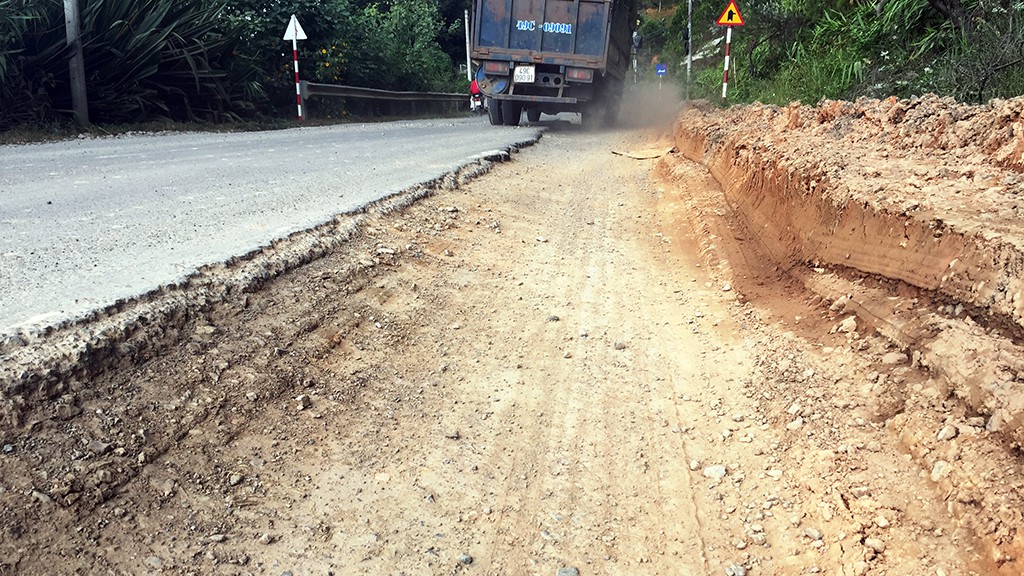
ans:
(8, 448)
(620, 345)
(894, 358)
(875, 544)
(848, 325)
(266, 538)
(726, 287)
(940, 470)
(453, 434)
(947, 433)
(813, 533)
(567, 354)
(995, 422)
(465, 559)
(216, 538)
(304, 401)
(735, 570)
(881, 521)
(67, 411)
(97, 447)
(860, 491)
(41, 497)
(570, 571)
(840, 304)
(553, 318)
(154, 562)
(235, 479)
(694, 465)
(796, 424)
(716, 471)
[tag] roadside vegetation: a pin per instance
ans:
(223, 61)
(218, 60)
(806, 50)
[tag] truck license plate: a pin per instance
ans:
(524, 75)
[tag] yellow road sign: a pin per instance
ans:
(730, 16)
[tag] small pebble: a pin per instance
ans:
(875, 544)
(947, 433)
(813, 533)
(465, 559)
(717, 471)
(735, 570)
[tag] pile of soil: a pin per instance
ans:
(907, 214)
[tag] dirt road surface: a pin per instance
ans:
(585, 361)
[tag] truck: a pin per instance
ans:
(551, 56)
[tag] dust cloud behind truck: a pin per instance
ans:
(551, 56)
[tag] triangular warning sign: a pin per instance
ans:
(730, 16)
(294, 31)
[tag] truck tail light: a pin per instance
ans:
(493, 67)
(580, 74)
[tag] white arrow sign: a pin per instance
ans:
(294, 31)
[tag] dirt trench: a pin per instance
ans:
(590, 359)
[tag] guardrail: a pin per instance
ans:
(410, 101)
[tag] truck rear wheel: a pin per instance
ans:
(532, 115)
(511, 112)
(494, 112)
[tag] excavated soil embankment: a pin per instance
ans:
(906, 213)
(923, 192)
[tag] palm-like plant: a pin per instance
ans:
(144, 59)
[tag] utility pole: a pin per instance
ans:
(689, 44)
(76, 65)
(469, 64)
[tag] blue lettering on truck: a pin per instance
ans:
(557, 28)
(550, 27)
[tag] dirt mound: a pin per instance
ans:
(924, 192)
(907, 214)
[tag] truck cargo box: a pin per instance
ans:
(552, 55)
(554, 31)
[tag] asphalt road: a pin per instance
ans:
(86, 223)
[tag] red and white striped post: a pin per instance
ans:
(730, 17)
(296, 33)
(298, 85)
(725, 74)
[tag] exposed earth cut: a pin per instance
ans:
(772, 341)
